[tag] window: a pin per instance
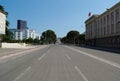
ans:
(108, 27)
(104, 25)
(101, 27)
(112, 23)
(117, 21)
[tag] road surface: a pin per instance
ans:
(61, 63)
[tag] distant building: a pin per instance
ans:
(21, 24)
(24, 34)
(22, 31)
(104, 29)
(33, 34)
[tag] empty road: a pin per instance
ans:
(61, 63)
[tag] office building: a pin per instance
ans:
(104, 29)
(21, 24)
(22, 32)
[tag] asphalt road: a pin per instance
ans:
(61, 63)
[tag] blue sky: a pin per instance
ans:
(58, 15)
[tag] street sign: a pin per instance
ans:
(2, 23)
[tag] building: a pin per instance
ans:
(21, 24)
(33, 34)
(24, 34)
(2, 24)
(104, 29)
(22, 31)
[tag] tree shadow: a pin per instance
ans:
(106, 49)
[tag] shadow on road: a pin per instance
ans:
(112, 50)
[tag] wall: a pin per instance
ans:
(13, 45)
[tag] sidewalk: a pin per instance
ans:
(8, 51)
(113, 50)
(12, 51)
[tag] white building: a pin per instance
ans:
(2, 22)
(24, 34)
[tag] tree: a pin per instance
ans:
(82, 39)
(36, 40)
(2, 8)
(48, 37)
(72, 37)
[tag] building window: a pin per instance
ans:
(108, 27)
(95, 29)
(101, 28)
(104, 25)
(118, 40)
(117, 21)
(98, 28)
(112, 23)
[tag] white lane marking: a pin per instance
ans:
(28, 69)
(68, 56)
(41, 57)
(97, 58)
(80, 72)
(22, 74)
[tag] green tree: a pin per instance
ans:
(48, 37)
(2, 8)
(29, 40)
(36, 40)
(82, 39)
(69, 39)
(64, 40)
(72, 37)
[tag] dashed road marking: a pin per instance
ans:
(80, 72)
(22, 74)
(68, 56)
(95, 57)
(41, 57)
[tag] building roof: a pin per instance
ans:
(107, 10)
(92, 17)
(110, 9)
